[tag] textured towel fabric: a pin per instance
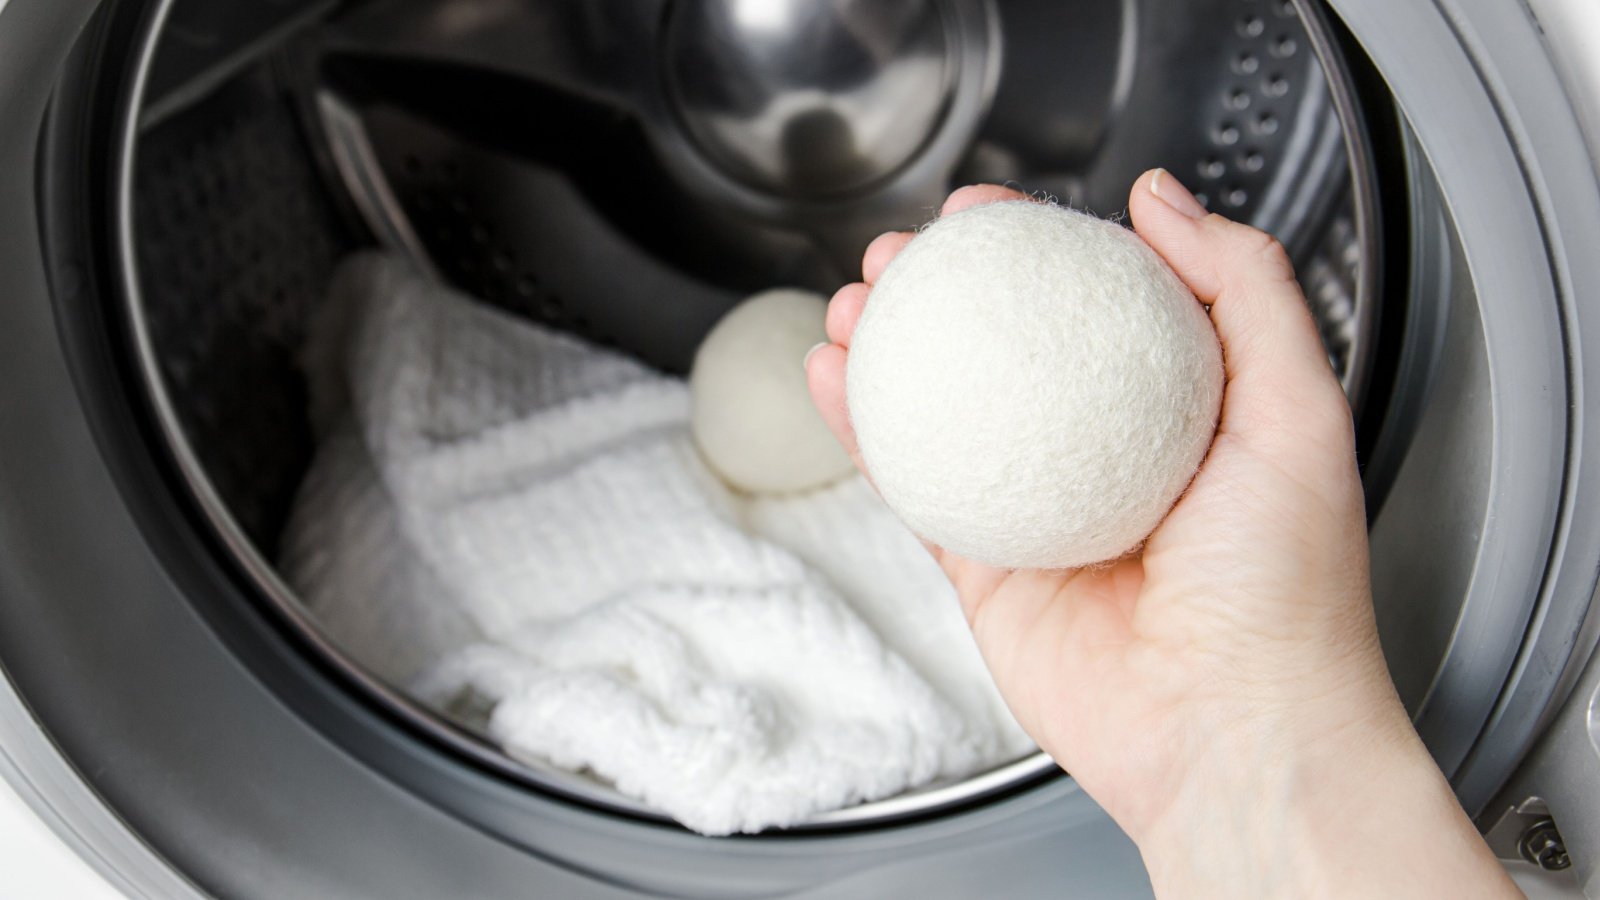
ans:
(1032, 387)
(502, 516)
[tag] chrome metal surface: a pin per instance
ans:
(1542, 845)
(810, 99)
(653, 130)
(625, 100)
(372, 194)
(1506, 834)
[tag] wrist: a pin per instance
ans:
(1327, 801)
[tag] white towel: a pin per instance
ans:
(501, 512)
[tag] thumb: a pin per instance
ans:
(1275, 362)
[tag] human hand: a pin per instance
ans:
(1221, 691)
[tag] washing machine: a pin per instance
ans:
(179, 178)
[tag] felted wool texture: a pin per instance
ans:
(752, 415)
(508, 521)
(1032, 387)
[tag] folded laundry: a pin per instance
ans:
(501, 512)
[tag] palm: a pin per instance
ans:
(1097, 661)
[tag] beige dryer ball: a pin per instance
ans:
(751, 413)
(1032, 387)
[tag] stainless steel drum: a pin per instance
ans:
(627, 171)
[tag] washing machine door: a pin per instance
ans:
(1502, 105)
(1548, 812)
(188, 740)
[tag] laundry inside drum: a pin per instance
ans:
(418, 283)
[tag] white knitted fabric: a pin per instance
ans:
(503, 514)
(1032, 387)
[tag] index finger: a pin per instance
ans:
(879, 253)
(978, 195)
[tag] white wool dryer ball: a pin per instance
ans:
(752, 416)
(1032, 387)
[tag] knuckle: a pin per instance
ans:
(1260, 253)
(1273, 253)
(1268, 251)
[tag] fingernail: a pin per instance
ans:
(806, 361)
(1172, 192)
